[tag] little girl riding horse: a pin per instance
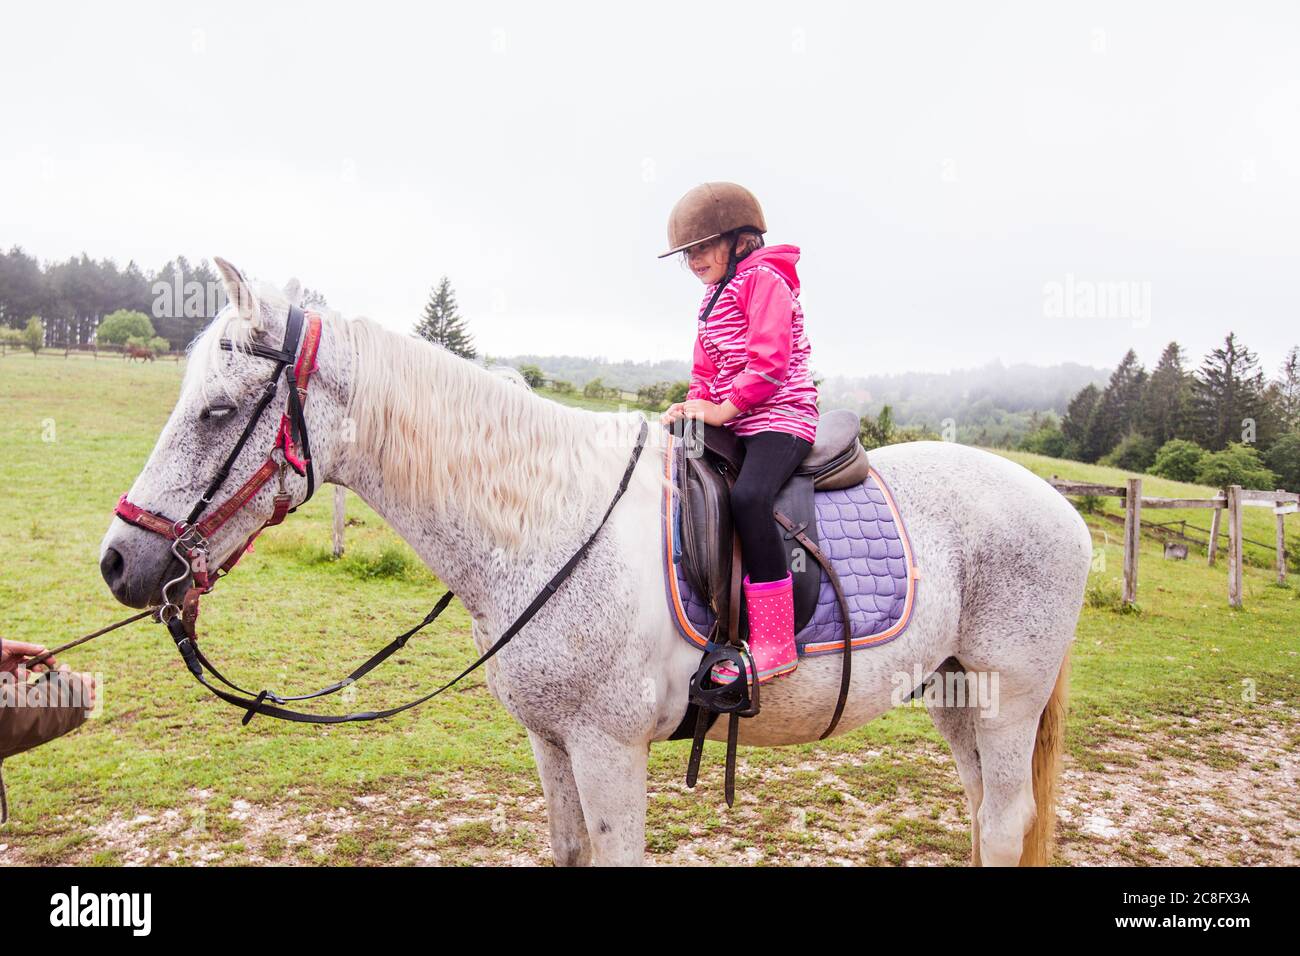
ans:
(751, 375)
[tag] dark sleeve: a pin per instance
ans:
(42, 717)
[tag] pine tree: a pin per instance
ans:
(443, 324)
(1228, 397)
(1165, 400)
(314, 299)
(1074, 426)
(1117, 412)
(1287, 391)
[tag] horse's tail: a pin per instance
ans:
(1048, 749)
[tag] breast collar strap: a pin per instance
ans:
(296, 360)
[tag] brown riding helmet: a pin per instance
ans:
(708, 211)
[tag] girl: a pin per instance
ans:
(751, 375)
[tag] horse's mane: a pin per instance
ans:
(447, 433)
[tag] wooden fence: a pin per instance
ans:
(1232, 499)
(109, 351)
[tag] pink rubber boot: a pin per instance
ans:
(771, 630)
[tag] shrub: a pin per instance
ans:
(532, 375)
(1090, 504)
(1236, 465)
(874, 434)
(915, 433)
(1178, 460)
(1104, 596)
(1134, 453)
(654, 395)
(120, 327)
(34, 334)
(1048, 440)
(389, 563)
(160, 345)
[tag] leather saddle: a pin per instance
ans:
(709, 462)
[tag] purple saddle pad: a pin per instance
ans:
(861, 532)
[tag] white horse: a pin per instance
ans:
(495, 488)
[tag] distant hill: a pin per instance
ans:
(990, 405)
(581, 369)
(969, 396)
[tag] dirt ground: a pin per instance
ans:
(1231, 799)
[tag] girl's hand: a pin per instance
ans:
(700, 408)
(673, 414)
(708, 412)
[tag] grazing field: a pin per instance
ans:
(1181, 749)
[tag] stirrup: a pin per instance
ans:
(738, 698)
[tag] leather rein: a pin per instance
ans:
(296, 361)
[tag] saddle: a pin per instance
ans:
(710, 461)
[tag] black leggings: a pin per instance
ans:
(770, 458)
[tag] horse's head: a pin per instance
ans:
(225, 384)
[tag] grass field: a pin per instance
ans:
(1182, 736)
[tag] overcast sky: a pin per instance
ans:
(960, 177)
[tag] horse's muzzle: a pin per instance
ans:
(136, 575)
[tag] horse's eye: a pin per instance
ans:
(217, 413)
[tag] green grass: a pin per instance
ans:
(293, 617)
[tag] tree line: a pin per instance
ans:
(1223, 422)
(73, 297)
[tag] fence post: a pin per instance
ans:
(1214, 533)
(1234, 546)
(340, 505)
(1132, 538)
(1281, 541)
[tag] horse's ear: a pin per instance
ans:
(293, 292)
(238, 290)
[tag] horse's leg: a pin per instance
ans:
(1005, 743)
(1006, 809)
(1021, 737)
(611, 778)
(957, 724)
(570, 844)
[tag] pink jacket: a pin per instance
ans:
(752, 349)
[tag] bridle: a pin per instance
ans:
(189, 538)
(296, 361)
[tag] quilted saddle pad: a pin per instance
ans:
(860, 530)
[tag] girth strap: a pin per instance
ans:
(846, 663)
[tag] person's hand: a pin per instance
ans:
(701, 408)
(673, 414)
(709, 413)
(14, 656)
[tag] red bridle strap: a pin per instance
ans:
(302, 372)
(145, 519)
(130, 512)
